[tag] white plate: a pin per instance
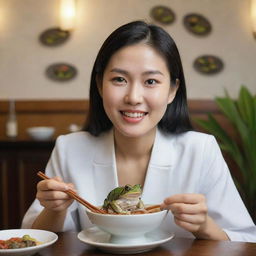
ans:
(45, 237)
(100, 239)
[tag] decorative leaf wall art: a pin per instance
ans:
(61, 72)
(162, 14)
(54, 37)
(197, 24)
(208, 64)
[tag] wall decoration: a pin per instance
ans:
(162, 14)
(54, 37)
(197, 24)
(61, 72)
(208, 64)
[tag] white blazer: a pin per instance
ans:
(188, 163)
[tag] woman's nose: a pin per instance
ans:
(133, 95)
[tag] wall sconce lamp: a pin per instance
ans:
(67, 14)
(253, 17)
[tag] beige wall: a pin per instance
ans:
(23, 59)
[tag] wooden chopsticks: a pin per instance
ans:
(151, 207)
(75, 196)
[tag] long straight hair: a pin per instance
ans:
(176, 117)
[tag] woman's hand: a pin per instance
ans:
(51, 194)
(190, 212)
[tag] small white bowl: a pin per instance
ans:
(127, 229)
(41, 132)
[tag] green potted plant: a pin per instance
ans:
(241, 113)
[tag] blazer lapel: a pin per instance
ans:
(104, 168)
(159, 170)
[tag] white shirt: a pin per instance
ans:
(187, 163)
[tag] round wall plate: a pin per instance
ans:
(197, 24)
(162, 14)
(208, 64)
(53, 37)
(61, 72)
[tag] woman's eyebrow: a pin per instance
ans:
(153, 72)
(148, 72)
(118, 70)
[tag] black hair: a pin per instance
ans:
(176, 118)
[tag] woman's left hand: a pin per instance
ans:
(189, 210)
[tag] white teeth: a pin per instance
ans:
(134, 114)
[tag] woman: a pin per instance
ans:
(138, 132)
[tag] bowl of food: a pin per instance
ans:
(126, 217)
(21, 242)
(41, 132)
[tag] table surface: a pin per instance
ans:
(69, 245)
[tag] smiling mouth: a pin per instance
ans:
(133, 114)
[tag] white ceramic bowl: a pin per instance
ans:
(41, 132)
(45, 237)
(127, 229)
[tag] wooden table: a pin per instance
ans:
(69, 245)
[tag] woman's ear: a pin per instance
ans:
(173, 90)
(99, 85)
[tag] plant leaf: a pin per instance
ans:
(242, 115)
(245, 104)
(228, 107)
(226, 143)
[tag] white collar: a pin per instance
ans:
(161, 152)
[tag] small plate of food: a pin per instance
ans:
(21, 242)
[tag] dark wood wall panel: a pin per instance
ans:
(18, 167)
(62, 113)
(3, 191)
(59, 114)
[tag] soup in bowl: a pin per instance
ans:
(125, 216)
(127, 228)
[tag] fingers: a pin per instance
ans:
(51, 194)
(71, 186)
(189, 210)
(189, 203)
(185, 198)
(52, 184)
(56, 205)
(191, 227)
(193, 219)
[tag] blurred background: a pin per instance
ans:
(46, 60)
(23, 59)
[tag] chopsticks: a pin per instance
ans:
(153, 208)
(75, 196)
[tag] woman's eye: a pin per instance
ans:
(151, 82)
(119, 80)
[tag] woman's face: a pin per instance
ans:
(136, 90)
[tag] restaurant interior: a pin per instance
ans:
(47, 50)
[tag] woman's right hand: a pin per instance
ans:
(51, 194)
